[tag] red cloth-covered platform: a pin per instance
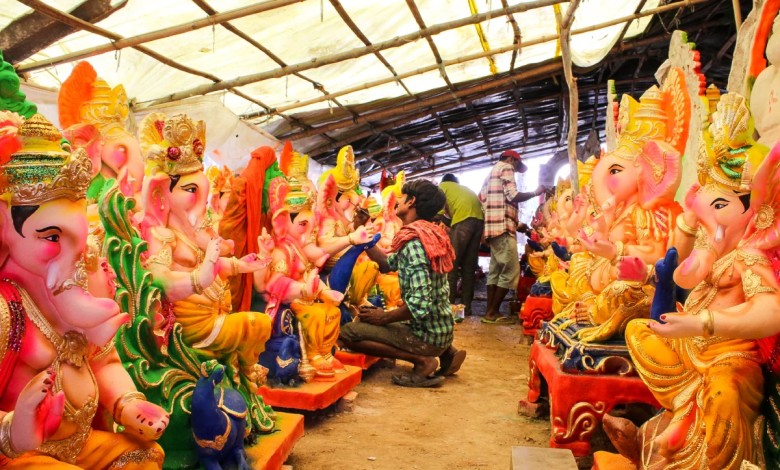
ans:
(314, 396)
(272, 450)
(356, 359)
(578, 402)
(535, 310)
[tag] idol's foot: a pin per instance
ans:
(323, 367)
(336, 365)
(672, 439)
(625, 436)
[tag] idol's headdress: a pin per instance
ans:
(174, 145)
(728, 156)
(44, 169)
(87, 99)
(346, 175)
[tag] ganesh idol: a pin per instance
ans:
(221, 184)
(703, 363)
(58, 363)
(95, 118)
(293, 277)
(187, 258)
(336, 203)
(631, 202)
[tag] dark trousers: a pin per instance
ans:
(465, 237)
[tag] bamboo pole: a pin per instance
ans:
(737, 13)
(571, 82)
(482, 55)
(354, 53)
(121, 42)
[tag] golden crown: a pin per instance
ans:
(661, 114)
(296, 200)
(174, 146)
(346, 176)
(728, 156)
(299, 167)
(44, 169)
(86, 98)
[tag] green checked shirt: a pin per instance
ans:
(426, 293)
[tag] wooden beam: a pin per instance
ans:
(417, 157)
(446, 132)
(34, 31)
(571, 81)
(414, 117)
(354, 53)
(480, 55)
(518, 37)
(120, 42)
(432, 45)
(628, 23)
(720, 54)
(482, 130)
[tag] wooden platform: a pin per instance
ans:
(272, 450)
(542, 458)
(314, 396)
(356, 359)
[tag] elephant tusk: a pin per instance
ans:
(719, 233)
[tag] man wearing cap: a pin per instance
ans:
(499, 197)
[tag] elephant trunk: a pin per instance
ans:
(694, 269)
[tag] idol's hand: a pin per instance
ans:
(145, 419)
(598, 246)
(333, 296)
(360, 236)
(37, 414)
(631, 268)
(677, 326)
(210, 267)
(251, 263)
(265, 244)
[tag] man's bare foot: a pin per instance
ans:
(426, 367)
(450, 361)
(625, 436)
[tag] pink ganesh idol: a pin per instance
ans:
(58, 364)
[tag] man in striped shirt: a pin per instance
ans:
(499, 197)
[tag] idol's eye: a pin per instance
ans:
(720, 206)
(615, 169)
(719, 203)
(190, 188)
(54, 238)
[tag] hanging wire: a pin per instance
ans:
(213, 38)
(118, 58)
(322, 11)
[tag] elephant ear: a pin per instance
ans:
(280, 217)
(326, 197)
(764, 229)
(86, 136)
(660, 171)
(156, 206)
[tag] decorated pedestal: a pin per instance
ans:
(578, 401)
(609, 357)
(535, 311)
(271, 451)
(363, 361)
(315, 395)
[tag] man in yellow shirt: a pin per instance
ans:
(466, 221)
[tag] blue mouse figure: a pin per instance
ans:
(534, 245)
(282, 353)
(288, 360)
(561, 252)
(339, 276)
(665, 299)
(219, 422)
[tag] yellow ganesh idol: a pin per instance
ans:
(188, 260)
(703, 364)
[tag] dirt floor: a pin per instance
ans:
(471, 422)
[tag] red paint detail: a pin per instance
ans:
(567, 390)
(535, 310)
(356, 359)
(314, 396)
(272, 450)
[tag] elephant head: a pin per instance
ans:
(95, 118)
(646, 166)
(728, 199)
(177, 190)
(293, 216)
(44, 230)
